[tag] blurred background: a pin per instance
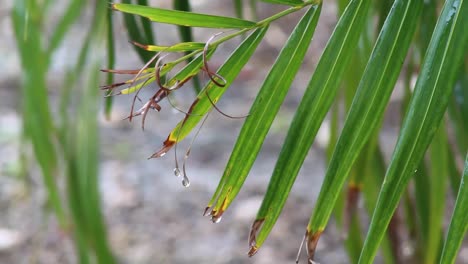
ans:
(150, 217)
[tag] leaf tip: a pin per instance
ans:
(253, 250)
(113, 6)
(167, 145)
(257, 224)
(312, 241)
(142, 46)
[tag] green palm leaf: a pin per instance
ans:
(428, 104)
(459, 223)
(311, 112)
(263, 111)
(367, 108)
(285, 2)
(183, 18)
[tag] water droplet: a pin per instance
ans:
(162, 154)
(186, 182)
(217, 219)
(207, 211)
(177, 172)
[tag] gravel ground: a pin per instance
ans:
(151, 217)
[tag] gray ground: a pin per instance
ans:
(151, 217)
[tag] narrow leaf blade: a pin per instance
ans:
(183, 18)
(458, 223)
(285, 2)
(311, 112)
(264, 110)
(367, 108)
(428, 104)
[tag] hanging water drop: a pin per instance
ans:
(216, 219)
(177, 172)
(162, 154)
(186, 182)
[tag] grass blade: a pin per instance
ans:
(183, 18)
(421, 198)
(375, 170)
(454, 173)
(432, 92)
(458, 110)
(285, 2)
(179, 47)
(367, 108)
(238, 7)
(184, 31)
(187, 36)
(146, 25)
(87, 162)
(383, 10)
(428, 22)
(253, 8)
(72, 13)
(438, 152)
(137, 34)
(312, 110)
(110, 61)
(262, 114)
(37, 119)
(458, 223)
(81, 153)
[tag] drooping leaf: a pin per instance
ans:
(183, 18)
(147, 29)
(285, 2)
(184, 31)
(71, 14)
(263, 112)
(37, 118)
(458, 223)
(110, 61)
(312, 110)
(374, 175)
(367, 108)
(137, 33)
(438, 178)
(179, 47)
(433, 89)
(458, 110)
(186, 35)
(238, 7)
(203, 103)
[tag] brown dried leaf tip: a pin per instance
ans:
(167, 145)
(256, 226)
(143, 46)
(216, 215)
(312, 241)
